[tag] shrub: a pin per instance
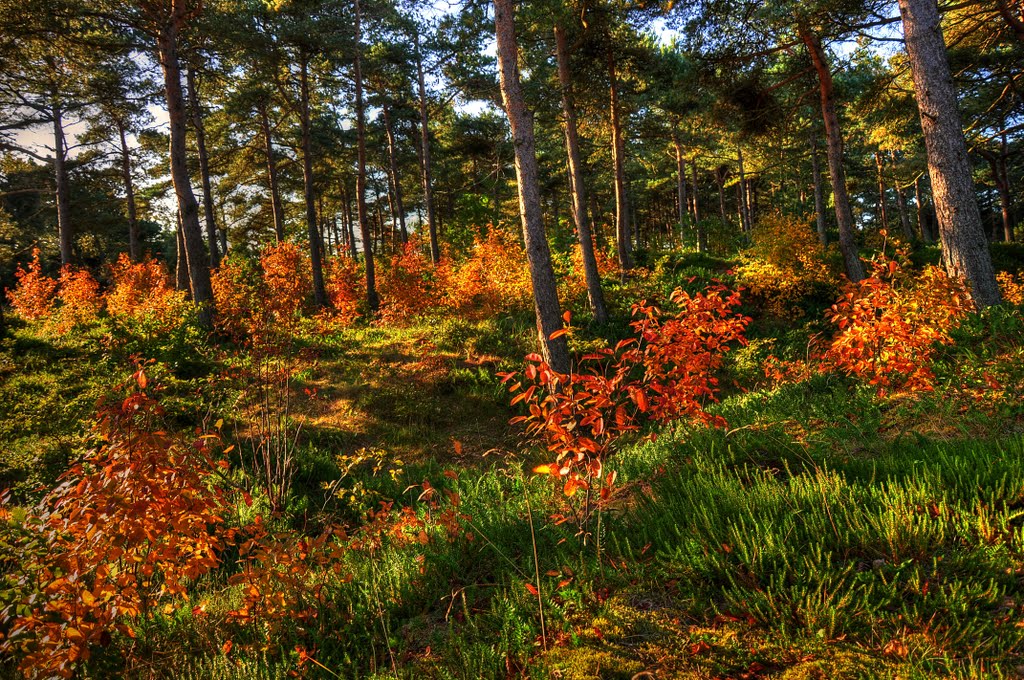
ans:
(406, 285)
(1012, 287)
(34, 295)
(495, 277)
(286, 275)
(143, 296)
(890, 323)
(239, 295)
(346, 289)
(80, 299)
(664, 372)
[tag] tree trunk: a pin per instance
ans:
(364, 224)
(622, 231)
(819, 191)
(681, 196)
(60, 179)
(834, 151)
(204, 167)
(964, 247)
(702, 232)
(545, 292)
(883, 211)
(134, 244)
(275, 192)
(396, 186)
(181, 258)
(426, 170)
(315, 254)
(720, 182)
(192, 234)
(744, 203)
(901, 205)
(577, 186)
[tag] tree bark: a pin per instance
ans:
(819, 191)
(63, 193)
(520, 118)
(134, 244)
(702, 232)
(426, 172)
(744, 202)
(181, 259)
(577, 186)
(204, 167)
(396, 186)
(964, 246)
(623, 240)
(920, 212)
(834, 151)
(681, 181)
(315, 254)
(883, 211)
(192, 235)
(275, 193)
(364, 221)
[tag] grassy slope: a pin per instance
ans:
(823, 535)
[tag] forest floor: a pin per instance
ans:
(823, 533)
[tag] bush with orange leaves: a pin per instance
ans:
(143, 296)
(286, 275)
(35, 294)
(118, 542)
(346, 290)
(493, 278)
(1011, 287)
(665, 372)
(407, 285)
(80, 299)
(239, 294)
(891, 323)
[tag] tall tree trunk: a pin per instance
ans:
(275, 193)
(192, 233)
(577, 186)
(819, 191)
(364, 221)
(964, 247)
(60, 180)
(134, 243)
(883, 211)
(720, 182)
(426, 171)
(702, 232)
(921, 213)
(204, 166)
(396, 185)
(681, 182)
(622, 229)
(744, 202)
(308, 191)
(181, 258)
(901, 206)
(997, 165)
(834, 151)
(545, 292)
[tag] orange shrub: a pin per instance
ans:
(406, 285)
(346, 289)
(238, 293)
(35, 293)
(287, 276)
(142, 293)
(118, 541)
(890, 324)
(1011, 287)
(80, 299)
(664, 372)
(494, 277)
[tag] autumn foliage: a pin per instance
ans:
(34, 296)
(890, 324)
(665, 372)
(407, 287)
(495, 276)
(143, 296)
(116, 543)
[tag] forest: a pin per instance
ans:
(490, 339)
